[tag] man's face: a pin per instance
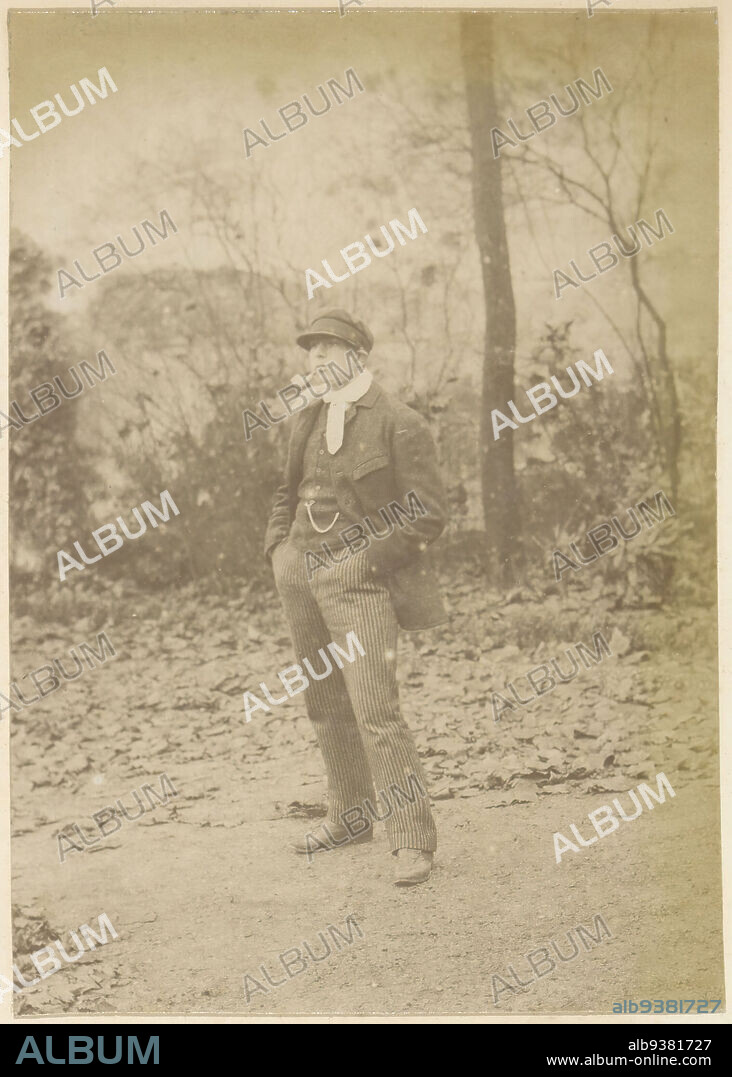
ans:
(325, 350)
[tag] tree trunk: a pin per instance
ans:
(670, 433)
(498, 480)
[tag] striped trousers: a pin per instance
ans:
(355, 710)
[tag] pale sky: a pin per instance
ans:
(190, 82)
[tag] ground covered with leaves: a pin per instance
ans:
(203, 890)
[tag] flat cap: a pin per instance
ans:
(338, 323)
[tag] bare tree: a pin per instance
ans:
(607, 177)
(498, 480)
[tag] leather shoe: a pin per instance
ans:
(330, 836)
(412, 866)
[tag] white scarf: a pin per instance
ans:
(337, 401)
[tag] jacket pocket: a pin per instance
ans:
(368, 466)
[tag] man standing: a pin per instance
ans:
(341, 566)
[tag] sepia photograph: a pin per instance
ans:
(397, 417)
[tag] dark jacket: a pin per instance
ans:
(387, 452)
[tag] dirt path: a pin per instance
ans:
(203, 890)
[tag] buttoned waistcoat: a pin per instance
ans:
(387, 452)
